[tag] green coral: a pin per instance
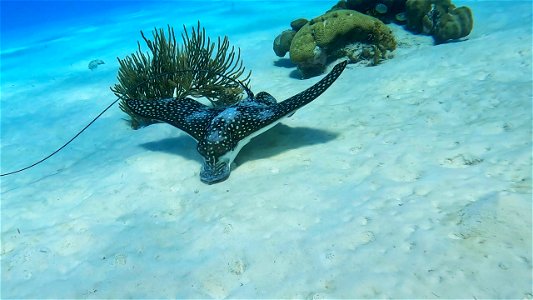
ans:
(282, 43)
(321, 38)
(298, 24)
(416, 11)
(192, 69)
(386, 10)
(439, 18)
(355, 29)
(455, 24)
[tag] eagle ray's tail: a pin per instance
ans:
(295, 102)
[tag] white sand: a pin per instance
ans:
(411, 179)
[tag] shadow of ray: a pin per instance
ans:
(182, 145)
(273, 142)
(280, 139)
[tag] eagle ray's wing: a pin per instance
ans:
(186, 114)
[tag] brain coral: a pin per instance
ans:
(439, 18)
(385, 10)
(415, 12)
(455, 24)
(313, 44)
(282, 43)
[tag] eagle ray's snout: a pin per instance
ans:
(214, 172)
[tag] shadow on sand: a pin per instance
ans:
(273, 142)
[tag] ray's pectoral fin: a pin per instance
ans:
(186, 114)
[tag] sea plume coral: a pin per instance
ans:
(191, 69)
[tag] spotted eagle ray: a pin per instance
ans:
(222, 132)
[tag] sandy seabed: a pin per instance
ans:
(411, 179)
